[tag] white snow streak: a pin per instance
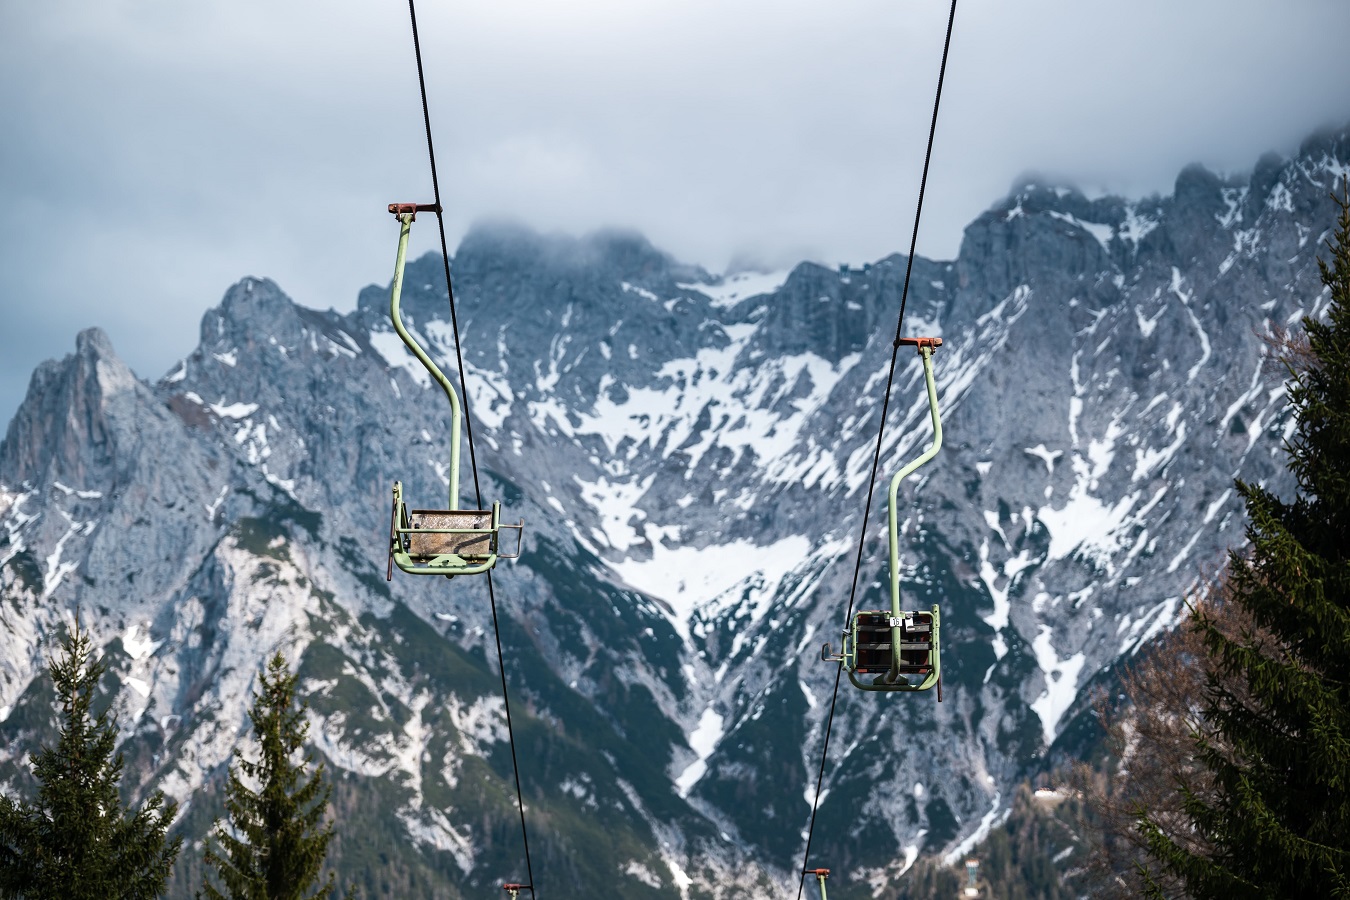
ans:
(732, 289)
(703, 740)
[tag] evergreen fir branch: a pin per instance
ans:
(1275, 736)
(77, 841)
(272, 847)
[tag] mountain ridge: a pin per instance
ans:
(691, 467)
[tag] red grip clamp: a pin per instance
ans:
(412, 209)
(919, 343)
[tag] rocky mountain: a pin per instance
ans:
(691, 456)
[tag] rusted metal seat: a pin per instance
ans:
(462, 532)
(446, 542)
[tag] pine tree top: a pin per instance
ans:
(273, 846)
(77, 841)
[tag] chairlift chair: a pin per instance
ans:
(450, 541)
(900, 646)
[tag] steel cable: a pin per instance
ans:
(468, 423)
(881, 431)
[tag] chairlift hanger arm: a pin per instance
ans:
(473, 459)
(406, 212)
(881, 431)
(926, 346)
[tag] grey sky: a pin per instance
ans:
(152, 152)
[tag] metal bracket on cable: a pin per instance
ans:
(821, 875)
(412, 209)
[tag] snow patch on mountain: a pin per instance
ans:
(396, 355)
(703, 740)
(732, 289)
(688, 578)
(1061, 681)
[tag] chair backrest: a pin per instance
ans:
(916, 641)
(872, 638)
(423, 543)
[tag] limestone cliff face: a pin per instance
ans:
(691, 456)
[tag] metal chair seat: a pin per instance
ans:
(445, 542)
(469, 533)
(872, 642)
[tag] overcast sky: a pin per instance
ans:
(152, 152)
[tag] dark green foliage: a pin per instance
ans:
(274, 845)
(77, 841)
(1278, 819)
(1035, 854)
(942, 825)
(377, 867)
(927, 879)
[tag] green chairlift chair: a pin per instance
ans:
(900, 646)
(450, 541)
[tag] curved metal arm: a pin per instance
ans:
(894, 525)
(405, 226)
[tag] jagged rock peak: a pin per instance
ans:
(1326, 144)
(250, 302)
(94, 342)
(63, 424)
(1198, 187)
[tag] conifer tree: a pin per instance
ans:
(78, 842)
(1278, 820)
(273, 847)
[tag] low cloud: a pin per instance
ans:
(155, 151)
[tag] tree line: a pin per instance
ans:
(77, 840)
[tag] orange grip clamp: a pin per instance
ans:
(919, 343)
(412, 209)
(819, 873)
